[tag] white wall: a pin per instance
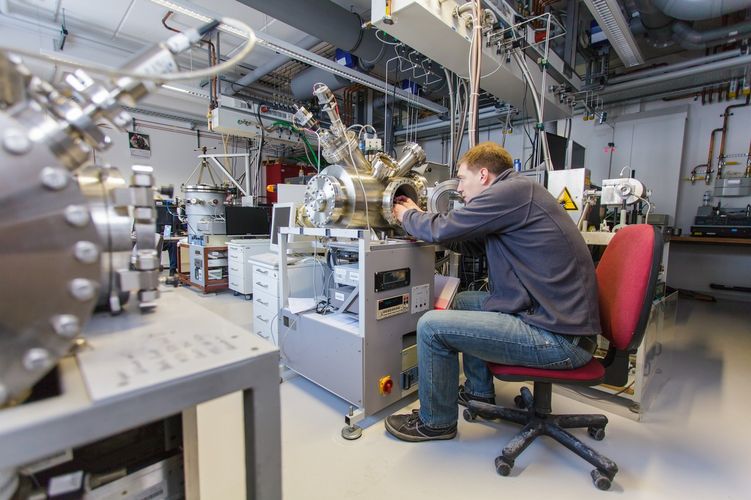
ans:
(173, 154)
(662, 141)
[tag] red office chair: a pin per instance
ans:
(626, 278)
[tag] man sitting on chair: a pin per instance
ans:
(541, 309)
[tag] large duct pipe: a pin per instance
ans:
(302, 85)
(655, 22)
(658, 19)
(690, 39)
(337, 26)
(325, 20)
(274, 63)
(698, 10)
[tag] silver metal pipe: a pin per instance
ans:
(673, 67)
(519, 58)
(274, 63)
(694, 70)
(691, 39)
(437, 123)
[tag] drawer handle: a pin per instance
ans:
(260, 334)
(261, 271)
(233, 269)
(260, 301)
(261, 284)
(261, 318)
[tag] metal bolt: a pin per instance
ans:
(15, 141)
(86, 252)
(37, 359)
(66, 325)
(82, 289)
(77, 215)
(3, 394)
(54, 178)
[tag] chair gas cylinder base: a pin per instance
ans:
(626, 281)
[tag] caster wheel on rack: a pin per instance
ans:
(600, 480)
(596, 433)
(503, 465)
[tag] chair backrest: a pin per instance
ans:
(626, 279)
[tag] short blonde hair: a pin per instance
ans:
(488, 155)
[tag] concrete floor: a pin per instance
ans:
(693, 442)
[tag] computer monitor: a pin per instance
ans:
(166, 215)
(247, 221)
(282, 215)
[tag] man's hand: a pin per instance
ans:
(404, 203)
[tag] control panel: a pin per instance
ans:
(392, 306)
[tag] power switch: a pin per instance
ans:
(385, 385)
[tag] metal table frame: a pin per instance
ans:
(40, 429)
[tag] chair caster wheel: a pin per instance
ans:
(596, 433)
(235, 293)
(469, 415)
(600, 480)
(519, 403)
(503, 465)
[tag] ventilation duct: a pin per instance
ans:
(698, 10)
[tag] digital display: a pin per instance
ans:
(390, 302)
(394, 278)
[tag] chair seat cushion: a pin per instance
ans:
(590, 374)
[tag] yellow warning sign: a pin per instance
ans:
(566, 201)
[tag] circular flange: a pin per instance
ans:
(440, 200)
(50, 242)
(397, 187)
(203, 188)
(324, 200)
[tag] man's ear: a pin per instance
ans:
(484, 175)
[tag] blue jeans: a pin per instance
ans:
(480, 336)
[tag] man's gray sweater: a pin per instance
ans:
(539, 266)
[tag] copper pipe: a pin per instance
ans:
(723, 140)
(212, 51)
(708, 172)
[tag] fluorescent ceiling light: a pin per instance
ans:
(608, 15)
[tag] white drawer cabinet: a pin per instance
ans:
(267, 294)
(239, 267)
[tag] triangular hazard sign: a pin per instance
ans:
(566, 201)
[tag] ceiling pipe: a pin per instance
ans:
(325, 20)
(339, 27)
(654, 22)
(691, 39)
(673, 67)
(657, 20)
(437, 123)
(681, 73)
(273, 64)
(699, 10)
